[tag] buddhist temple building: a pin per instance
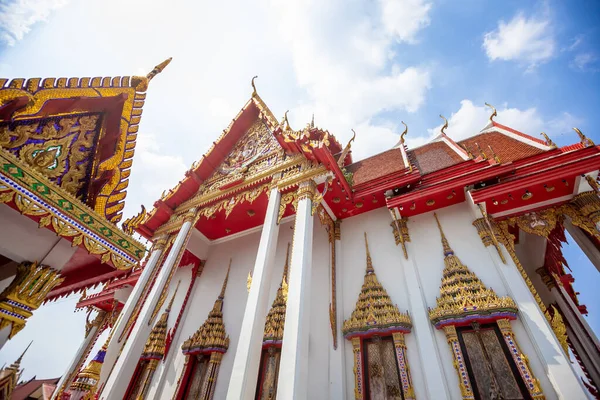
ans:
(256, 284)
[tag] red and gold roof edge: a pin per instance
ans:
(20, 98)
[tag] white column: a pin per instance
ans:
(423, 330)
(584, 243)
(558, 368)
(580, 328)
(77, 360)
(293, 367)
(117, 382)
(244, 374)
(337, 357)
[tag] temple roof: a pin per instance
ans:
(87, 128)
(374, 311)
(463, 297)
(377, 166)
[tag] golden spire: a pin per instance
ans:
(273, 332)
(312, 121)
(17, 364)
(403, 133)
(211, 336)
(346, 150)
(370, 269)
(285, 122)
(443, 130)
(374, 309)
(158, 69)
(254, 92)
(447, 249)
(494, 113)
(172, 298)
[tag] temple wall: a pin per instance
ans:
(425, 249)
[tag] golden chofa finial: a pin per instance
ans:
(549, 141)
(285, 122)
(346, 150)
(447, 250)
(494, 113)
(586, 141)
(443, 130)
(158, 69)
(403, 133)
(370, 269)
(254, 92)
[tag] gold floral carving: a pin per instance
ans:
(374, 310)
(358, 370)
(463, 294)
(211, 335)
(588, 205)
(288, 198)
(25, 294)
(521, 360)
(539, 223)
(560, 330)
(275, 323)
(400, 229)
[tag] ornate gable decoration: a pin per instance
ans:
(255, 151)
(155, 346)
(463, 297)
(374, 311)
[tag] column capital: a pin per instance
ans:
(400, 230)
(546, 278)
(306, 190)
(337, 229)
(159, 242)
(26, 293)
(190, 215)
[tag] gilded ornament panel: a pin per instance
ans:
(33, 195)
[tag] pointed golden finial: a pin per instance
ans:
(286, 267)
(254, 92)
(249, 281)
(496, 158)
(222, 295)
(586, 141)
(23, 353)
(481, 153)
(285, 122)
(172, 298)
(443, 130)
(468, 151)
(158, 69)
(403, 133)
(494, 113)
(346, 150)
(549, 141)
(312, 121)
(447, 250)
(370, 269)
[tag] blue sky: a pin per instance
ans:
(362, 64)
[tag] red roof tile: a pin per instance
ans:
(434, 156)
(24, 390)
(505, 147)
(377, 166)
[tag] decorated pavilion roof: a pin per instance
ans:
(273, 332)
(80, 133)
(377, 166)
(374, 312)
(211, 336)
(463, 297)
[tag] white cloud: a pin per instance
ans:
(347, 68)
(17, 17)
(526, 40)
(470, 119)
(584, 62)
